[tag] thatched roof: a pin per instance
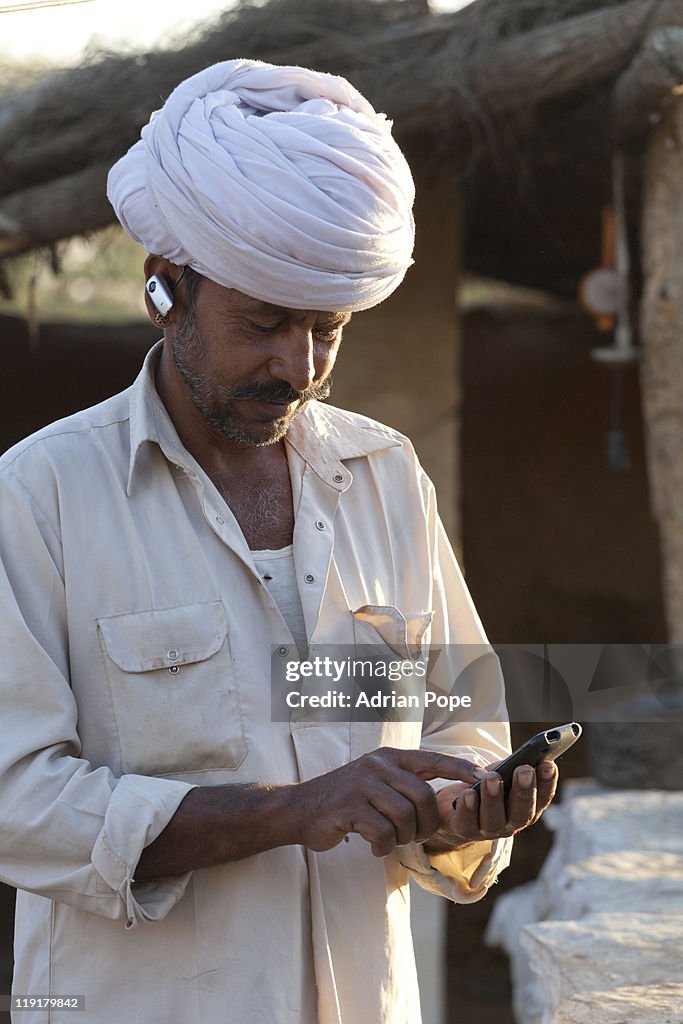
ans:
(516, 94)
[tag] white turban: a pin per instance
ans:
(280, 182)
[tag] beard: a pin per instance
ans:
(220, 406)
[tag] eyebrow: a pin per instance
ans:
(264, 308)
(259, 308)
(339, 318)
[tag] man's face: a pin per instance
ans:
(249, 366)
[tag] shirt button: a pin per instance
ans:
(220, 520)
(309, 578)
(283, 651)
(173, 669)
(320, 525)
(338, 478)
(173, 655)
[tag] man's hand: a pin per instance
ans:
(479, 818)
(383, 796)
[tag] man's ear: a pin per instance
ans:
(168, 272)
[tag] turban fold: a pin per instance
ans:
(281, 182)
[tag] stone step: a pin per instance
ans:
(636, 880)
(602, 952)
(632, 1004)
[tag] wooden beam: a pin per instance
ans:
(572, 55)
(46, 213)
(662, 341)
(649, 85)
(63, 124)
(73, 118)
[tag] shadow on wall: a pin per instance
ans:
(559, 548)
(76, 365)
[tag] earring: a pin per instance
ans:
(161, 319)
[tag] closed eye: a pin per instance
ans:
(327, 334)
(331, 331)
(263, 328)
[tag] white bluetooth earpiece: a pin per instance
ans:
(160, 294)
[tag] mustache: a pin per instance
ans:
(278, 391)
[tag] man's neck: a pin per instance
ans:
(252, 480)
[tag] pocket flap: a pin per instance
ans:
(401, 632)
(142, 641)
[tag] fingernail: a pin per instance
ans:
(548, 770)
(479, 773)
(492, 785)
(525, 777)
(470, 799)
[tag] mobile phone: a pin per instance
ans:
(544, 746)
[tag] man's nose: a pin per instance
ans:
(293, 361)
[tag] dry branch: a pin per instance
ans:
(46, 213)
(574, 55)
(95, 112)
(408, 68)
(426, 73)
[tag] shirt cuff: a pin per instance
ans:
(139, 810)
(464, 875)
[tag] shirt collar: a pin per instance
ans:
(323, 435)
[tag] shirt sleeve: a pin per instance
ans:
(71, 832)
(466, 666)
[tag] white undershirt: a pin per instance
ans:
(276, 569)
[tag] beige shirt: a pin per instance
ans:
(136, 639)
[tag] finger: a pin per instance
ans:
(429, 764)
(377, 830)
(401, 812)
(493, 818)
(546, 780)
(447, 796)
(422, 799)
(521, 810)
(463, 822)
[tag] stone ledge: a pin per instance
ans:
(601, 952)
(632, 1004)
(615, 870)
(620, 880)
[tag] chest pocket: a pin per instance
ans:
(383, 633)
(174, 690)
(383, 625)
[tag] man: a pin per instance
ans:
(158, 549)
